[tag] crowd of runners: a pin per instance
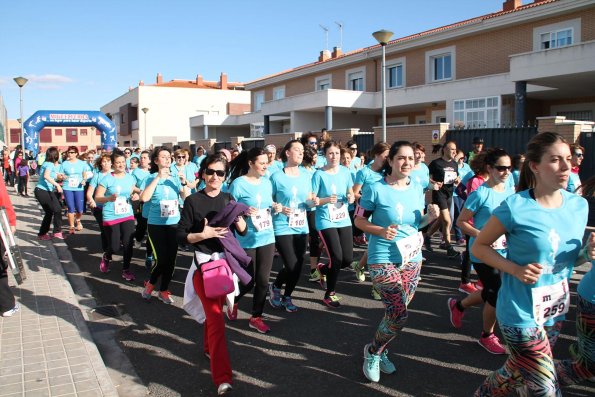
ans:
(519, 221)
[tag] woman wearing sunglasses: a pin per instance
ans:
(74, 173)
(476, 211)
(162, 190)
(184, 167)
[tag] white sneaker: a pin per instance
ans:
(223, 388)
(12, 311)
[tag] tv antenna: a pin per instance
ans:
(340, 25)
(325, 35)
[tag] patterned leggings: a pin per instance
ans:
(530, 363)
(396, 284)
(582, 367)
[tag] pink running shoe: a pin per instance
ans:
(492, 344)
(468, 288)
(44, 237)
(58, 235)
(456, 316)
(259, 325)
(128, 275)
(104, 264)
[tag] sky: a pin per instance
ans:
(80, 55)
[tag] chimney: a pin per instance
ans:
(324, 55)
(337, 52)
(159, 78)
(198, 79)
(510, 5)
(141, 83)
(223, 81)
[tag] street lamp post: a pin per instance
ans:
(21, 81)
(383, 37)
(145, 110)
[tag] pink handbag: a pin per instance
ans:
(217, 278)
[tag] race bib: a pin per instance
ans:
(121, 206)
(88, 174)
(168, 208)
(410, 247)
(550, 301)
(500, 244)
(73, 181)
(262, 220)
(449, 177)
(297, 218)
(338, 212)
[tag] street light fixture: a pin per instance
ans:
(383, 37)
(145, 110)
(21, 81)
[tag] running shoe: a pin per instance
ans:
(232, 312)
(359, 272)
(456, 316)
(479, 285)
(223, 389)
(13, 311)
(128, 275)
(322, 279)
(44, 237)
(386, 365)
(376, 294)
(428, 244)
(58, 235)
(360, 241)
(138, 244)
(461, 241)
(371, 365)
(451, 252)
(332, 301)
(259, 325)
(468, 288)
(104, 264)
(165, 297)
(148, 290)
(288, 304)
(274, 296)
(443, 246)
(492, 344)
(149, 262)
(314, 275)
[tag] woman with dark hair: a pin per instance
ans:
(114, 192)
(73, 171)
(333, 190)
(162, 191)
(356, 162)
(103, 166)
(543, 247)
(309, 165)
(477, 209)
(291, 191)
(250, 186)
(395, 205)
(47, 192)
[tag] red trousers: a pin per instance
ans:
(214, 333)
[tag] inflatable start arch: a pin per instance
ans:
(68, 118)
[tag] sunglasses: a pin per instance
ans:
(353, 148)
(503, 168)
(210, 171)
(180, 157)
(71, 152)
(312, 143)
(579, 155)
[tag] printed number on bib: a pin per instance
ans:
(262, 220)
(500, 244)
(338, 212)
(73, 182)
(410, 247)
(449, 177)
(121, 206)
(550, 301)
(168, 208)
(297, 218)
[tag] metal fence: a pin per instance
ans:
(365, 141)
(248, 144)
(513, 140)
(587, 141)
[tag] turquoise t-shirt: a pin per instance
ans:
(320, 160)
(551, 237)
(121, 208)
(482, 202)
(274, 167)
(139, 176)
(516, 174)
(310, 171)
(198, 159)
(75, 174)
(586, 288)
(463, 171)
(95, 181)
(324, 185)
(42, 183)
(164, 206)
(367, 176)
(574, 181)
(189, 172)
(403, 208)
(355, 164)
(292, 192)
(259, 196)
(421, 176)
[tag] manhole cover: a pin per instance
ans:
(106, 311)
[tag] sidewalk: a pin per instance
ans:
(46, 349)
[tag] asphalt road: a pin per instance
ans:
(315, 351)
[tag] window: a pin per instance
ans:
(441, 64)
(83, 132)
(258, 101)
(580, 115)
(395, 72)
(45, 135)
(279, 92)
(71, 135)
(323, 83)
(356, 81)
(556, 39)
(58, 132)
(441, 67)
(477, 112)
(557, 35)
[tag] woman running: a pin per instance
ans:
(476, 211)
(395, 205)
(250, 186)
(309, 165)
(161, 191)
(103, 166)
(333, 191)
(74, 171)
(47, 193)
(291, 191)
(114, 193)
(542, 249)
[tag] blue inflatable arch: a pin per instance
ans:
(68, 118)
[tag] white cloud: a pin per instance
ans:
(50, 79)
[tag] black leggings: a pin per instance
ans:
(23, 184)
(262, 262)
(292, 248)
(7, 301)
(98, 214)
(51, 208)
(123, 233)
(466, 263)
(338, 243)
(314, 240)
(163, 241)
(490, 278)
